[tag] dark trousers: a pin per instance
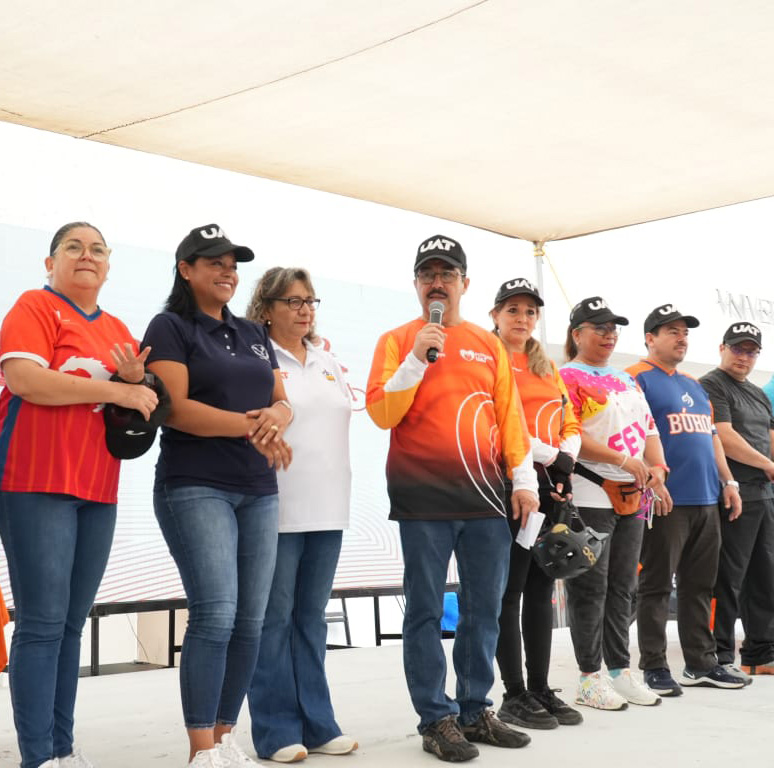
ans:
(527, 613)
(745, 583)
(686, 543)
(600, 601)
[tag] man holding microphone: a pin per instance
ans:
(446, 391)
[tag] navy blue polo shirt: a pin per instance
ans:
(230, 366)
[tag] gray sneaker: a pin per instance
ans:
(444, 739)
(732, 669)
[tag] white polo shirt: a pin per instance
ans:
(314, 491)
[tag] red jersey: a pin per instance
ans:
(58, 449)
(457, 425)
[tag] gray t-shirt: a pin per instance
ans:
(747, 408)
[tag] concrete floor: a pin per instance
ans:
(130, 720)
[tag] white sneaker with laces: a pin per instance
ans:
(76, 760)
(232, 753)
(596, 690)
(635, 692)
(208, 758)
(341, 745)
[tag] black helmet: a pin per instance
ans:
(568, 548)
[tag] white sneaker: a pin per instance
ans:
(76, 760)
(596, 690)
(341, 745)
(208, 758)
(52, 763)
(290, 754)
(635, 692)
(231, 753)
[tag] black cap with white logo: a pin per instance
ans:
(667, 313)
(444, 248)
(516, 287)
(742, 331)
(210, 241)
(594, 310)
(127, 434)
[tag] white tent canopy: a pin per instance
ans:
(540, 119)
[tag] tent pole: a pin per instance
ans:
(539, 254)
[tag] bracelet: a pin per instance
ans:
(732, 483)
(664, 467)
(287, 405)
(624, 461)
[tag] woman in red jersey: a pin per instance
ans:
(58, 482)
(555, 437)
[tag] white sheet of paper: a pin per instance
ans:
(527, 535)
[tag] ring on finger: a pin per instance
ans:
(274, 428)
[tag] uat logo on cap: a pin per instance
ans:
(667, 309)
(439, 244)
(520, 283)
(212, 233)
(745, 328)
(597, 304)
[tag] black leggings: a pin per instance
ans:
(534, 622)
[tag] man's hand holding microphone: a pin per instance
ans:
(429, 341)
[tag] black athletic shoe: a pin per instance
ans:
(525, 710)
(444, 739)
(717, 677)
(564, 714)
(487, 729)
(660, 681)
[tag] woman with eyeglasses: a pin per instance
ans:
(215, 495)
(59, 486)
(527, 610)
(290, 703)
(619, 443)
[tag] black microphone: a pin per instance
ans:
(436, 316)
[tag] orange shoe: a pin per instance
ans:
(759, 669)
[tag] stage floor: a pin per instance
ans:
(131, 720)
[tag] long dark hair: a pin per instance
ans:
(181, 299)
(570, 347)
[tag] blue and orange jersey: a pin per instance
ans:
(684, 418)
(456, 426)
(58, 449)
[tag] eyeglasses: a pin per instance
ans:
(603, 329)
(427, 276)
(741, 351)
(296, 302)
(75, 249)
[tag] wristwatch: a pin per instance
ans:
(732, 483)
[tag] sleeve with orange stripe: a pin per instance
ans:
(514, 434)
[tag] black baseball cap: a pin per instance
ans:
(444, 248)
(127, 434)
(210, 241)
(742, 331)
(515, 287)
(594, 310)
(667, 313)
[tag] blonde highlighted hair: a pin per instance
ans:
(538, 362)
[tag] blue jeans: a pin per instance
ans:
(482, 548)
(57, 548)
(224, 545)
(289, 698)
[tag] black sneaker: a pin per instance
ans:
(717, 677)
(564, 714)
(660, 681)
(444, 739)
(487, 729)
(525, 710)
